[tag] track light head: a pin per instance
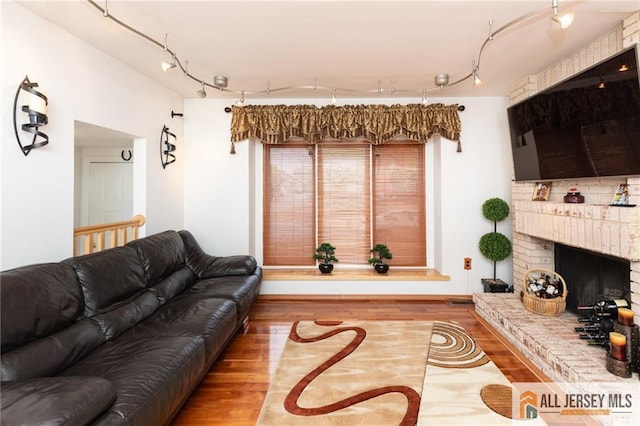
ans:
(564, 20)
(202, 93)
(240, 101)
(166, 66)
(333, 100)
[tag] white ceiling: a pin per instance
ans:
(363, 45)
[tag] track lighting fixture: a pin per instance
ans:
(240, 101)
(564, 20)
(166, 66)
(476, 76)
(441, 80)
(623, 68)
(202, 93)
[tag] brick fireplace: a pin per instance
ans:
(593, 226)
(551, 343)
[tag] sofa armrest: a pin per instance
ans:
(208, 266)
(55, 400)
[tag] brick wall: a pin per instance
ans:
(593, 225)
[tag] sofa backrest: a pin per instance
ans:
(114, 287)
(163, 258)
(41, 321)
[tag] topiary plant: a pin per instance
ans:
(495, 209)
(494, 245)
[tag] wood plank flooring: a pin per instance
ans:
(234, 389)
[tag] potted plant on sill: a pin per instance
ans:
(325, 252)
(378, 261)
(494, 245)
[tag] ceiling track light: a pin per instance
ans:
(240, 101)
(476, 76)
(220, 82)
(564, 20)
(202, 93)
(166, 66)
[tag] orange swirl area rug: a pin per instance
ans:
(385, 373)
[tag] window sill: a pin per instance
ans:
(353, 274)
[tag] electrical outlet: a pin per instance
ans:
(467, 263)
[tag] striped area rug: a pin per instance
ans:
(384, 373)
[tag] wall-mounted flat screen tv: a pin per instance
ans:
(585, 126)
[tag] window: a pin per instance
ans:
(350, 194)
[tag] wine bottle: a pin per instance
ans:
(602, 324)
(589, 328)
(605, 307)
(603, 343)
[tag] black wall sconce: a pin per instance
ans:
(166, 147)
(36, 108)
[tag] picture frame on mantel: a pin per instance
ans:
(541, 191)
(621, 196)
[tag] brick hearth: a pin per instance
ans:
(550, 343)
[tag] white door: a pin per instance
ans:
(110, 192)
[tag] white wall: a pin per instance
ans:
(83, 84)
(221, 211)
(207, 190)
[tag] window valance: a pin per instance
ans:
(273, 124)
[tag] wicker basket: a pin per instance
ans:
(549, 307)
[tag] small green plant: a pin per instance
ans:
(382, 253)
(325, 252)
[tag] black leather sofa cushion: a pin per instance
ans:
(124, 317)
(69, 401)
(213, 320)
(49, 355)
(174, 284)
(160, 254)
(242, 290)
(152, 376)
(109, 279)
(37, 300)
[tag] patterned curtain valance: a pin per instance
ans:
(378, 124)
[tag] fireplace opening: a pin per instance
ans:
(590, 276)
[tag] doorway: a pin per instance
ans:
(104, 175)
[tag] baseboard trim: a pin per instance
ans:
(465, 299)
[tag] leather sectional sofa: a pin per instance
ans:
(121, 336)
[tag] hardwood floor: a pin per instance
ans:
(233, 391)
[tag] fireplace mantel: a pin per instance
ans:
(605, 229)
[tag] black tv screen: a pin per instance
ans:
(585, 126)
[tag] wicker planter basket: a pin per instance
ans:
(549, 307)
